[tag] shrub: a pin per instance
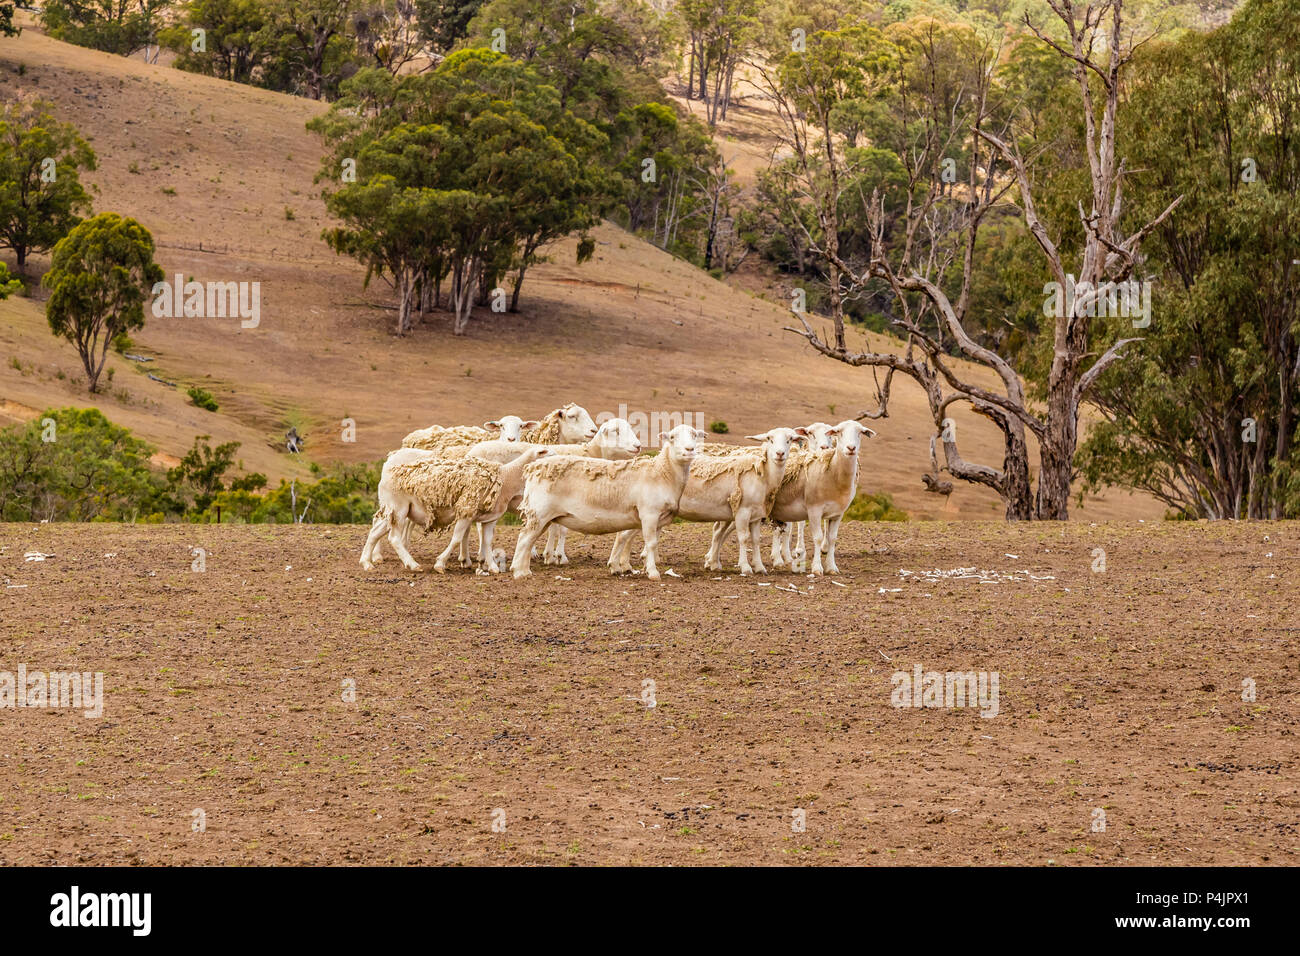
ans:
(869, 507)
(202, 398)
(718, 427)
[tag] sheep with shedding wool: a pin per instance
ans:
(595, 496)
(403, 461)
(453, 441)
(567, 424)
(819, 437)
(739, 486)
(614, 441)
(434, 492)
(818, 487)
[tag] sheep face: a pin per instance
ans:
(576, 425)
(819, 436)
(778, 442)
(848, 437)
(681, 443)
(509, 428)
(617, 440)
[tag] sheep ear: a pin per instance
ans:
(530, 424)
(869, 432)
(663, 438)
(802, 432)
(762, 437)
(492, 426)
(700, 433)
(833, 431)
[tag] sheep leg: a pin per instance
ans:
(625, 558)
(554, 553)
(713, 557)
(486, 529)
(650, 532)
(745, 533)
(378, 528)
(756, 537)
(458, 534)
(778, 529)
(832, 534)
(396, 539)
(817, 528)
(533, 528)
(618, 556)
(799, 553)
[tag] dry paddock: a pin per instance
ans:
(483, 700)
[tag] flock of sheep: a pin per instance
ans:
(564, 473)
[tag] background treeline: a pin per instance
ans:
(73, 464)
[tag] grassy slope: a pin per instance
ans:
(634, 326)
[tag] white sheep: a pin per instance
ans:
(818, 487)
(418, 487)
(595, 496)
(819, 437)
(738, 485)
(614, 440)
(453, 441)
(565, 425)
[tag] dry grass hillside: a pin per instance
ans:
(222, 175)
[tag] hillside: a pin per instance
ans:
(222, 174)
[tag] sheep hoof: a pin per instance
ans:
(562, 559)
(760, 569)
(413, 566)
(522, 573)
(367, 566)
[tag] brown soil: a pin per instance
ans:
(1119, 690)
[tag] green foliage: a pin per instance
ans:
(198, 477)
(40, 192)
(99, 278)
(468, 171)
(9, 285)
(234, 45)
(1223, 348)
(73, 464)
(114, 26)
(877, 507)
(202, 398)
(7, 28)
(718, 427)
(344, 494)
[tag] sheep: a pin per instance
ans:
(614, 440)
(436, 492)
(595, 496)
(739, 485)
(453, 441)
(819, 438)
(818, 487)
(565, 425)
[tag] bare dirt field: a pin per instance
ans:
(482, 699)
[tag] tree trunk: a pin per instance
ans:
(519, 284)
